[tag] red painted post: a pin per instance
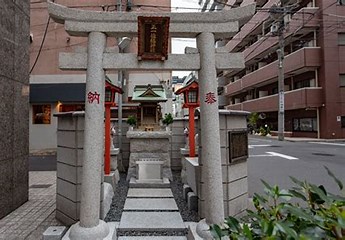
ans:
(191, 132)
(107, 140)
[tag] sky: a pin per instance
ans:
(178, 44)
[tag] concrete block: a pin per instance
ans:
(63, 218)
(237, 171)
(67, 207)
(150, 204)
(192, 201)
(237, 188)
(54, 233)
(149, 193)
(186, 189)
(223, 138)
(148, 221)
(238, 205)
(69, 173)
(68, 190)
(236, 122)
(193, 173)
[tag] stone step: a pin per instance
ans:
(152, 237)
(149, 193)
(134, 183)
(151, 221)
(150, 204)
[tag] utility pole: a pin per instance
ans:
(281, 110)
(277, 29)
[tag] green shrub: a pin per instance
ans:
(168, 119)
(316, 214)
(131, 120)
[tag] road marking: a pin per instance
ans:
(326, 143)
(262, 145)
(282, 155)
(262, 155)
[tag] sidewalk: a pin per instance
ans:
(31, 219)
(298, 139)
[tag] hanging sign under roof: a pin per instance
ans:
(153, 37)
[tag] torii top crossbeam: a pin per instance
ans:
(80, 22)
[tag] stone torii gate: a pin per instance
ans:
(97, 26)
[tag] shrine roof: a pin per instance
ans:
(149, 93)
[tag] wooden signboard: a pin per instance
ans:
(153, 38)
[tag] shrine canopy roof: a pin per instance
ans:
(149, 93)
(109, 84)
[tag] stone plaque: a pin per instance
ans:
(153, 38)
(238, 145)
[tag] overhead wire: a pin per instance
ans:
(40, 49)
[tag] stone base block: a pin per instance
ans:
(186, 189)
(107, 198)
(113, 178)
(111, 235)
(54, 233)
(192, 201)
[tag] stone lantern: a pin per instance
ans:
(191, 101)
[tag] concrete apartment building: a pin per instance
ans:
(314, 67)
(14, 104)
(53, 90)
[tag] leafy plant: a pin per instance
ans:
(131, 120)
(304, 212)
(168, 119)
(253, 118)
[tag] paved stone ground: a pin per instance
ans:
(31, 219)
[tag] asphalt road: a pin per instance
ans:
(42, 162)
(274, 161)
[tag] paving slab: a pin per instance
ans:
(151, 221)
(149, 193)
(134, 183)
(150, 204)
(153, 238)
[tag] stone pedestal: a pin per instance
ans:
(234, 164)
(185, 154)
(149, 145)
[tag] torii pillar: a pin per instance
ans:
(90, 225)
(209, 121)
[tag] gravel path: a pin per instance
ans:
(119, 199)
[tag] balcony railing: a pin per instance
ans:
(304, 98)
(304, 21)
(297, 62)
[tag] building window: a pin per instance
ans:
(343, 121)
(71, 107)
(41, 114)
(342, 80)
(305, 125)
(341, 37)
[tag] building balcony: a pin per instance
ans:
(304, 98)
(295, 63)
(303, 22)
(223, 101)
